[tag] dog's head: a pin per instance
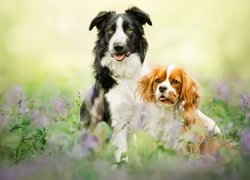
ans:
(170, 86)
(121, 34)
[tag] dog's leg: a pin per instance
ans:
(85, 112)
(209, 123)
(119, 139)
(86, 107)
(94, 108)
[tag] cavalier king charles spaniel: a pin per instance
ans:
(171, 115)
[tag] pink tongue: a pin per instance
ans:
(162, 98)
(119, 57)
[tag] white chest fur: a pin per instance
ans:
(164, 124)
(122, 103)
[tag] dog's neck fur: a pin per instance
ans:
(169, 112)
(123, 70)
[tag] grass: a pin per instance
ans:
(40, 138)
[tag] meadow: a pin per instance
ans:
(45, 71)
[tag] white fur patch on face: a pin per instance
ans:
(119, 37)
(169, 70)
(166, 83)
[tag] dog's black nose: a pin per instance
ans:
(162, 88)
(119, 48)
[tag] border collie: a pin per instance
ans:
(119, 52)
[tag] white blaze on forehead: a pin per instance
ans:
(167, 83)
(169, 70)
(119, 36)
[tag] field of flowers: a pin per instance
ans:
(45, 70)
(40, 138)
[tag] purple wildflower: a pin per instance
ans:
(16, 97)
(22, 106)
(245, 143)
(88, 143)
(61, 107)
(223, 91)
(39, 118)
(245, 101)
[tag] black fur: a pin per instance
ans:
(103, 75)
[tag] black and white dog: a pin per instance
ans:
(119, 52)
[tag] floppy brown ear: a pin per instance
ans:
(190, 94)
(99, 19)
(145, 88)
(141, 16)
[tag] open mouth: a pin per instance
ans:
(119, 57)
(164, 99)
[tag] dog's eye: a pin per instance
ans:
(174, 82)
(110, 31)
(130, 31)
(157, 80)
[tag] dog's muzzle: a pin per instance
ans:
(120, 52)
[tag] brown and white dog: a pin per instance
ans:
(172, 113)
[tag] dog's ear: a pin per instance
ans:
(141, 16)
(99, 19)
(145, 88)
(190, 94)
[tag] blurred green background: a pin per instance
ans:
(47, 42)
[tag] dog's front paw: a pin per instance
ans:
(121, 156)
(217, 130)
(214, 130)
